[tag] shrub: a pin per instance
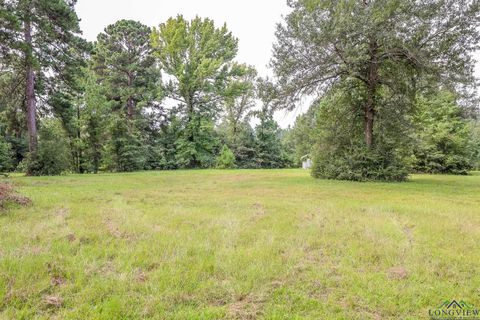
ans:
(444, 140)
(6, 156)
(126, 152)
(226, 158)
(359, 163)
(197, 144)
(269, 150)
(53, 156)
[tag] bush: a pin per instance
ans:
(444, 140)
(226, 159)
(269, 150)
(341, 153)
(126, 152)
(53, 156)
(197, 144)
(6, 156)
(359, 164)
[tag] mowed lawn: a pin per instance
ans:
(253, 244)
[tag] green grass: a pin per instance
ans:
(238, 244)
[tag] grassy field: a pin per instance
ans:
(238, 245)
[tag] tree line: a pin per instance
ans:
(392, 83)
(137, 98)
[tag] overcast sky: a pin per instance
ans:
(251, 21)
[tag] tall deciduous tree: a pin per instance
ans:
(383, 45)
(239, 100)
(197, 58)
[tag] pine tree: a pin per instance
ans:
(41, 34)
(127, 75)
(125, 67)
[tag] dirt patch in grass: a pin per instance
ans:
(140, 275)
(71, 237)
(53, 301)
(9, 196)
(398, 273)
(62, 213)
(115, 231)
(246, 307)
(259, 211)
(58, 281)
(57, 275)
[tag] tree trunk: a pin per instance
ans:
(130, 108)
(369, 117)
(235, 134)
(30, 91)
(191, 128)
(130, 102)
(372, 85)
(79, 138)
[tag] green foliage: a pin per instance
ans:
(226, 158)
(239, 101)
(359, 163)
(170, 132)
(122, 94)
(245, 147)
(56, 28)
(394, 40)
(269, 151)
(42, 44)
(54, 155)
(12, 114)
(101, 104)
(197, 144)
(475, 143)
(125, 67)
(384, 51)
(444, 141)
(198, 58)
(197, 55)
(94, 123)
(340, 151)
(303, 134)
(6, 156)
(126, 150)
